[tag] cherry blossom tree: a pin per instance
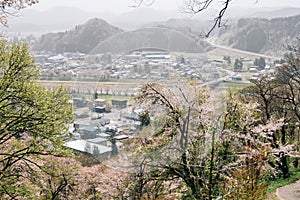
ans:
(9, 7)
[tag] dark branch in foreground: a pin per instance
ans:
(194, 7)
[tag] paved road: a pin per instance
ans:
(211, 42)
(289, 192)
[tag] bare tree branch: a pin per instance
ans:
(9, 8)
(197, 6)
(138, 3)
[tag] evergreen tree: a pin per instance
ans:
(96, 94)
(144, 118)
(228, 59)
(238, 65)
(261, 63)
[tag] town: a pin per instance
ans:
(103, 87)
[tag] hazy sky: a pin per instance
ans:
(119, 6)
(115, 6)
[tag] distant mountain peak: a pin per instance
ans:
(96, 21)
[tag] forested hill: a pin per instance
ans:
(262, 35)
(82, 38)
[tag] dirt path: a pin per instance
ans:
(289, 192)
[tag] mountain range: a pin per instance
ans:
(260, 34)
(97, 36)
(65, 18)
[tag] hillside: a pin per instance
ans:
(262, 35)
(82, 38)
(183, 24)
(158, 37)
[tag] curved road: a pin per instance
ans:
(211, 42)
